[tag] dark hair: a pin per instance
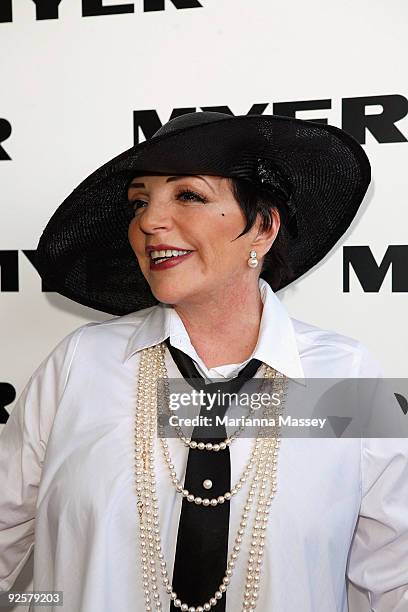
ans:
(253, 200)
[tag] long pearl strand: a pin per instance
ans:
(209, 446)
(151, 367)
(214, 501)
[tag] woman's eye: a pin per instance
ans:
(134, 205)
(185, 195)
(191, 195)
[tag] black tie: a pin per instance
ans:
(202, 541)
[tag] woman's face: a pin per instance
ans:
(197, 214)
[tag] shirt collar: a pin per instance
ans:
(276, 346)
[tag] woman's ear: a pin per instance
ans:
(265, 238)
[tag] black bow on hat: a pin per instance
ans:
(270, 178)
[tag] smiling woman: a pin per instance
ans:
(224, 212)
(201, 216)
(256, 202)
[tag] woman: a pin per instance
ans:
(186, 237)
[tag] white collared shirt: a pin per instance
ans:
(67, 476)
(275, 330)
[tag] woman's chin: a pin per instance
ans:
(167, 293)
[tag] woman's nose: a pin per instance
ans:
(155, 216)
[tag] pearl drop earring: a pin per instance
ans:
(252, 261)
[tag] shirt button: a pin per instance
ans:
(207, 483)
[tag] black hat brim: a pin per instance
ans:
(84, 252)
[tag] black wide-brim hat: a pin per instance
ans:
(318, 171)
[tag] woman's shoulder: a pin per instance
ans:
(314, 335)
(132, 321)
(91, 340)
(330, 344)
(117, 330)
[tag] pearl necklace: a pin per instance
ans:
(209, 446)
(262, 487)
(215, 501)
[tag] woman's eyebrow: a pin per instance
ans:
(174, 178)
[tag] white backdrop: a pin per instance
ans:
(71, 85)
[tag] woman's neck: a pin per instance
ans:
(225, 327)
